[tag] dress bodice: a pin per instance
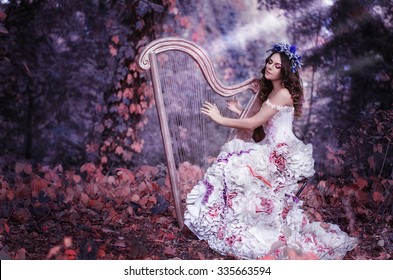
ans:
(279, 127)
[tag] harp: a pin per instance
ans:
(183, 77)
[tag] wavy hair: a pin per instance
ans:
(290, 80)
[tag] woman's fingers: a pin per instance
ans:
(206, 108)
(207, 104)
(209, 108)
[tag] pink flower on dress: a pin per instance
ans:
(230, 196)
(214, 210)
(284, 212)
(220, 233)
(277, 156)
(282, 144)
(282, 238)
(232, 239)
(266, 206)
(278, 160)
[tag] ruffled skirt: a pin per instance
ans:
(245, 205)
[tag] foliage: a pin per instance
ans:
(70, 93)
(131, 24)
(357, 56)
(3, 30)
(55, 72)
(52, 213)
(78, 86)
(40, 200)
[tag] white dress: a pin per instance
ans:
(245, 206)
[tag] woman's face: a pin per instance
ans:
(273, 68)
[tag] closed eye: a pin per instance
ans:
(277, 65)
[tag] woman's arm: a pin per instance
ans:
(282, 98)
(258, 119)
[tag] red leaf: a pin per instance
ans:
(170, 251)
(2, 15)
(70, 254)
(143, 201)
(115, 39)
(101, 253)
(53, 252)
(349, 189)
(84, 199)
(21, 215)
(201, 256)
(377, 196)
(149, 169)
(77, 178)
(125, 174)
(6, 228)
(20, 254)
(135, 198)
(371, 162)
(19, 167)
(361, 182)
(90, 168)
(95, 204)
(112, 50)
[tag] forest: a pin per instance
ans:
(83, 174)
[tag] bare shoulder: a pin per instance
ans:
(282, 98)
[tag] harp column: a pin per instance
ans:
(166, 137)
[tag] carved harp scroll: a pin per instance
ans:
(148, 60)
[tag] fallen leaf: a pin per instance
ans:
(21, 215)
(20, 254)
(377, 196)
(361, 182)
(84, 199)
(170, 251)
(53, 252)
(70, 254)
(67, 241)
(19, 167)
(201, 256)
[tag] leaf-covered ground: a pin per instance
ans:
(54, 214)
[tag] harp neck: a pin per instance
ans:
(201, 58)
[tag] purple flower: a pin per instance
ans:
(290, 52)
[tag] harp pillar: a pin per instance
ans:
(166, 138)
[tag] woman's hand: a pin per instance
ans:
(212, 111)
(234, 106)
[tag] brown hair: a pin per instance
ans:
(291, 81)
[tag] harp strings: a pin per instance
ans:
(194, 136)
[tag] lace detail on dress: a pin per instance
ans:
(274, 106)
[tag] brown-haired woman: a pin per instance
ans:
(245, 206)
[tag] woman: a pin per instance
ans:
(245, 206)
